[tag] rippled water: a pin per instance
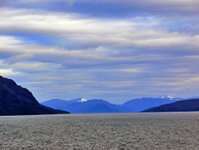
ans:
(101, 131)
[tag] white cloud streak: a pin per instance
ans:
(102, 31)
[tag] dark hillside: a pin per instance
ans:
(185, 105)
(16, 100)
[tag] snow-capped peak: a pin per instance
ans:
(169, 97)
(83, 100)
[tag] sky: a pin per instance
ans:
(115, 50)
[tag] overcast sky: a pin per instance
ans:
(110, 49)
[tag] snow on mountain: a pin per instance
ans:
(83, 100)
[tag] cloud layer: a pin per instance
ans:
(115, 50)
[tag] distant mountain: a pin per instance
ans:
(185, 105)
(81, 105)
(140, 104)
(60, 104)
(16, 100)
(84, 106)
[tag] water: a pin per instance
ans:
(101, 131)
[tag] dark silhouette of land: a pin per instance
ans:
(16, 100)
(185, 105)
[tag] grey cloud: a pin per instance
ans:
(116, 58)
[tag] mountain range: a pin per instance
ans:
(16, 100)
(81, 105)
(140, 104)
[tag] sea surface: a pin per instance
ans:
(142, 131)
